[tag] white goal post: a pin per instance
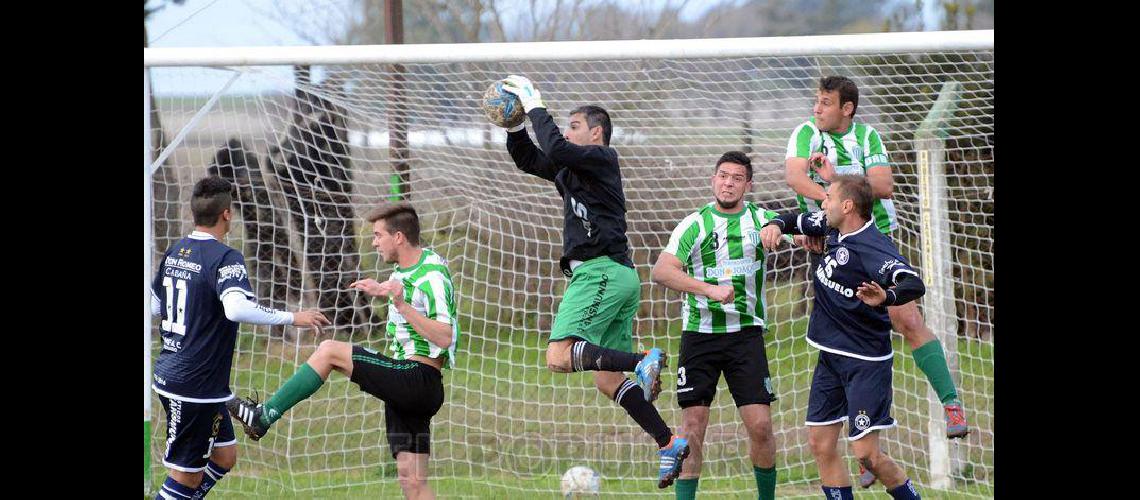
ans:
(312, 137)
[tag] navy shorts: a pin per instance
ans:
(193, 430)
(851, 389)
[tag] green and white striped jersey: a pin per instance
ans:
(852, 152)
(723, 249)
(427, 287)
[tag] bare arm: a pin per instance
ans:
(669, 273)
(436, 332)
(882, 182)
(796, 175)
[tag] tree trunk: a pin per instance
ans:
(164, 183)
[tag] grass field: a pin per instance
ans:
(510, 428)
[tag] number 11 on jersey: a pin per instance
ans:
(175, 321)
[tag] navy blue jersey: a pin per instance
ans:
(197, 338)
(589, 180)
(840, 323)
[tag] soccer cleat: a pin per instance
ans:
(673, 455)
(956, 426)
(248, 412)
(866, 477)
(648, 372)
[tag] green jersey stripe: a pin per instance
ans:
(708, 260)
(428, 288)
(802, 138)
(725, 251)
(853, 151)
(740, 295)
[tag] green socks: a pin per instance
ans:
(765, 482)
(299, 387)
(932, 361)
(686, 488)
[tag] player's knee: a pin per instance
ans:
(760, 431)
(695, 425)
(327, 348)
(867, 455)
(907, 321)
(557, 360)
(820, 445)
(331, 353)
(225, 457)
(410, 478)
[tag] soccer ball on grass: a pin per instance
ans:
(580, 481)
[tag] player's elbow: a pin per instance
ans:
(919, 288)
(792, 174)
(231, 305)
(443, 335)
(445, 343)
(887, 189)
(232, 314)
(790, 180)
(882, 186)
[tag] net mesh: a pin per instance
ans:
(312, 149)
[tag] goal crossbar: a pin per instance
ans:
(905, 42)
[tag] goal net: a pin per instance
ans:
(314, 137)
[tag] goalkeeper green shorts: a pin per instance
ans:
(599, 305)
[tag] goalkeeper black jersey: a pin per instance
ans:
(589, 180)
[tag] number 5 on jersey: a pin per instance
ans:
(580, 212)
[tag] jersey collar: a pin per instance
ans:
(845, 132)
(714, 207)
(199, 235)
(857, 231)
(423, 257)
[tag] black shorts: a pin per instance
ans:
(193, 430)
(740, 355)
(412, 393)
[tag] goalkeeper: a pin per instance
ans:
(593, 329)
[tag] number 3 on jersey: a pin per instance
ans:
(175, 321)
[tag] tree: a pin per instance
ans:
(164, 184)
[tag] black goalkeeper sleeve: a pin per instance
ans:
(528, 157)
(907, 287)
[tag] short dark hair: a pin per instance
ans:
(401, 217)
(212, 196)
(596, 116)
(857, 189)
(848, 91)
(739, 158)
